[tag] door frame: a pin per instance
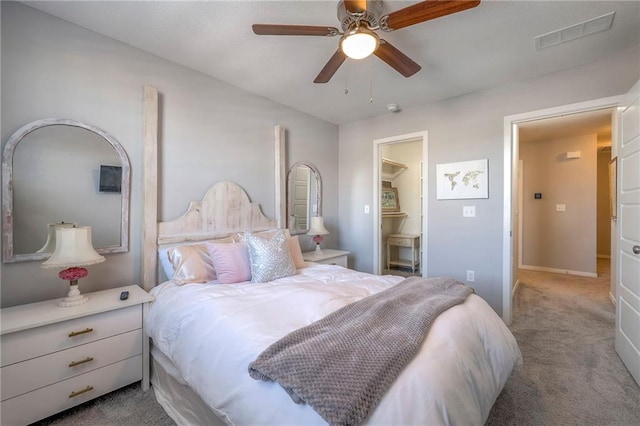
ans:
(377, 218)
(511, 157)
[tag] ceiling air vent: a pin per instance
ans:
(573, 32)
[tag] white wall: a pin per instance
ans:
(209, 131)
(560, 240)
(464, 128)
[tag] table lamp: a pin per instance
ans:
(317, 229)
(73, 250)
(50, 245)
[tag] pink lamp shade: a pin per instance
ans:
(317, 229)
(73, 250)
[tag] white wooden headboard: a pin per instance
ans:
(225, 208)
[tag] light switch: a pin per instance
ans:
(366, 209)
(561, 207)
(468, 211)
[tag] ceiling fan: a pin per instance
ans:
(359, 20)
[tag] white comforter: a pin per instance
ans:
(211, 332)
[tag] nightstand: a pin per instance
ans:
(54, 358)
(327, 257)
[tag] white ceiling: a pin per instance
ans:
(598, 122)
(485, 47)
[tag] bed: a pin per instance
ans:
(205, 333)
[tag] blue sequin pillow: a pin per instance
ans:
(270, 258)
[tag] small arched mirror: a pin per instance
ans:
(59, 170)
(304, 189)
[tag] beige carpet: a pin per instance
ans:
(571, 373)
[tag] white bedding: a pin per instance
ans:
(211, 332)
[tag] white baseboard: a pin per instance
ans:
(603, 256)
(612, 298)
(559, 271)
(515, 288)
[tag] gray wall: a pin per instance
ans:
(468, 127)
(209, 131)
(552, 239)
(51, 68)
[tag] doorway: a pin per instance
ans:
(400, 217)
(511, 155)
(564, 222)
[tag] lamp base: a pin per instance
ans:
(318, 239)
(74, 298)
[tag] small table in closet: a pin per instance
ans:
(403, 240)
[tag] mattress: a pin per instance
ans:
(209, 333)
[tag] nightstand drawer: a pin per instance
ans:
(43, 371)
(339, 260)
(401, 242)
(327, 257)
(43, 402)
(31, 343)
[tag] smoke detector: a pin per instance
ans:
(393, 108)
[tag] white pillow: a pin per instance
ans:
(166, 265)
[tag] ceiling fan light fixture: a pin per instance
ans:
(359, 43)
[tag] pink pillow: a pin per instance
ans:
(296, 252)
(231, 262)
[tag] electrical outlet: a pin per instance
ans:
(471, 276)
(468, 211)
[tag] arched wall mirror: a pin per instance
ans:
(304, 190)
(59, 170)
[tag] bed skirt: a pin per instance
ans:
(180, 402)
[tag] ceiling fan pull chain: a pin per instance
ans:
(346, 80)
(371, 72)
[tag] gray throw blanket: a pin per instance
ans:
(343, 364)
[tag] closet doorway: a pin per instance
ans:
(400, 205)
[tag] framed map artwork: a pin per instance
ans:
(464, 180)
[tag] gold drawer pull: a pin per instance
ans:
(82, 361)
(77, 333)
(80, 392)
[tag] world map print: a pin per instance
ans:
(462, 180)
(468, 178)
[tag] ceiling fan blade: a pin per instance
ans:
(294, 30)
(355, 6)
(424, 11)
(331, 67)
(396, 59)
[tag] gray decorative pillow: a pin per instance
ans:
(270, 258)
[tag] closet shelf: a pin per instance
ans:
(392, 169)
(395, 215)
